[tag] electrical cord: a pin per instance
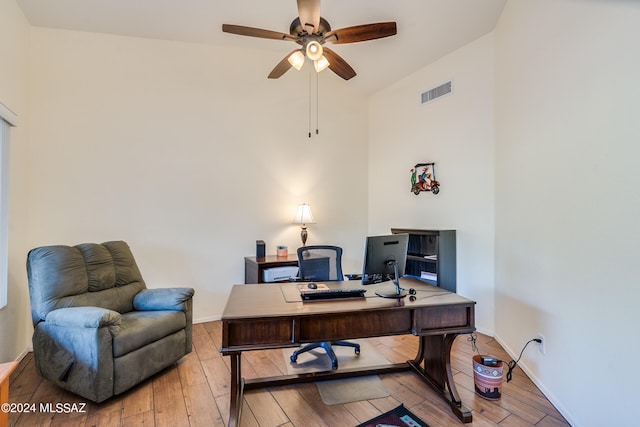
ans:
(472, 339)
(512, 363)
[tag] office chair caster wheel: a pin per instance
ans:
(293, 358)
(357, 350)
(412, 291)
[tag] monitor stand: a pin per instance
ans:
(399, 292)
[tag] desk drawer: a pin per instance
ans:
(450, 319)
(353, 325)
(268, 333)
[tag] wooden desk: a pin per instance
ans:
(259, 317)
(5, 372)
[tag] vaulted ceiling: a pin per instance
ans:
(427, 29)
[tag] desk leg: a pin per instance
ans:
(237, 386)
(435, 355)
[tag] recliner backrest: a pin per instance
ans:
(101, 275)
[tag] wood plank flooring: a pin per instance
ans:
(195, 392)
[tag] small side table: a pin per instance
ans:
(5, 372)
(254, 267)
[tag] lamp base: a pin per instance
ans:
(303, 235)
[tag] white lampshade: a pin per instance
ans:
(321, 63)
(303, 215)
(314, 50)
(296, 59)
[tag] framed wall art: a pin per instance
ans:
(423, 178)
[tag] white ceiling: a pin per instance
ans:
(427, 29)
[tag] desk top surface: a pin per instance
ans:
(283, 299)
(271, 259)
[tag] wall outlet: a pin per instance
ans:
(541, 345)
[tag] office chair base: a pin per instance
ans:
(327, 347)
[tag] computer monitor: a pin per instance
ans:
(384, 259)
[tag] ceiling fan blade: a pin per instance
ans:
(339, 65)
(361, 33)
(282, 67)
(256, 32)
(309, 13)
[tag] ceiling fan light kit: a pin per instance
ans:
(311, 31)
(321, 63)
(296, 59)
(314, 50)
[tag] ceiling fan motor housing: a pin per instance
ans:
(297, 30)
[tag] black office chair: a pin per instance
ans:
(321, 263)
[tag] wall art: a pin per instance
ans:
(423, 178)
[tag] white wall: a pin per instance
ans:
(568, 200)
(189, 153)
(15, 324)
(456, 132)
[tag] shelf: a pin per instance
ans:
(432, 252)
(420, 258)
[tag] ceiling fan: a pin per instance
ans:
(311, 32)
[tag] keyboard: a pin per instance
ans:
(329, 294)
(372, 279)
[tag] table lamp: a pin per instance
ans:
(303, 217)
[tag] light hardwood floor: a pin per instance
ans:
(195, 392)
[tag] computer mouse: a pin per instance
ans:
(312, 286)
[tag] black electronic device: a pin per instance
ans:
(312, 285)
(384, 259)
(488, 361)
(260, 249)
(331, 294)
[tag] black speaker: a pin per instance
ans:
(260, 249)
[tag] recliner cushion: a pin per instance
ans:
(101, 271)
(60, 272)
(139, 328)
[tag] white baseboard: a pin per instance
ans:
(207, 319)
(24, 353)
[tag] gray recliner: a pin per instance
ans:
(97, 330)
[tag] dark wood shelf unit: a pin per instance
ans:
(431, 251)
(254, 267)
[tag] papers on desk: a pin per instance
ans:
(278, 274)
(425, 275)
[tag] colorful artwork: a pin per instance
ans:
(423, 178)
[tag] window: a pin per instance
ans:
(7, 118)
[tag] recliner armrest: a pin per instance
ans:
(83, 317)
(163, 299)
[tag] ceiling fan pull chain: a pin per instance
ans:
(317, 103)
(309, 104)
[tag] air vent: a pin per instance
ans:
(437, 92)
